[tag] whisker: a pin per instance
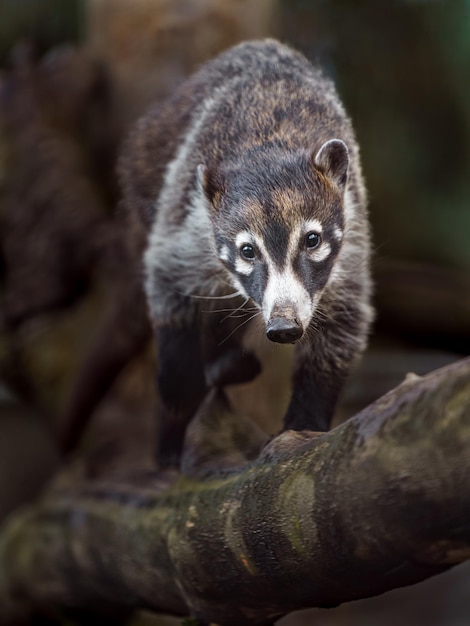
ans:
(225, 297)
(235, 311)
(247, 310)
(222, 280)
(310, 332)
(242, 313)
(239, 326)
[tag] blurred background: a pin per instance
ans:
(76, 356)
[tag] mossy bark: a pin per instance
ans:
(380, 502)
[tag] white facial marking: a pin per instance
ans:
(284, 289)
(313, 225)
(321, 253)
(338, 233)
(243, 237)
(243, 267)
(224, 253)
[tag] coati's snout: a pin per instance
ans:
(284, 330)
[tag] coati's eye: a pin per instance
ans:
(247, 251)
(312, 241)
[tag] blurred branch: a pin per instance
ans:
(380, 502)
(66, 263)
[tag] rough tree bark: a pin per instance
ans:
(381, 501)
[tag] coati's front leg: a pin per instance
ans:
(196, 353)
(321, 365)
(226, 360)
(180, 382)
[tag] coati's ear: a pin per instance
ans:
(333, 160)
(211, 183)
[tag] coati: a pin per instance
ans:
(250, 201)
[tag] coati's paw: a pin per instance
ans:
(232, 368)
(287, 442)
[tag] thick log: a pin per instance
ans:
(380, 502)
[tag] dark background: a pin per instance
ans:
(73, 78)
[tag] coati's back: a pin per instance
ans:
(248, 183)
(252, 93)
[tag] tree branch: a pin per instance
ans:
(380, 502)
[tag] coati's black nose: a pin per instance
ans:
(283, 330)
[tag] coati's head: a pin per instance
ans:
(278, 222)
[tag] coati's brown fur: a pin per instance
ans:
(249, 192)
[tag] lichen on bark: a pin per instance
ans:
(379, 502)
